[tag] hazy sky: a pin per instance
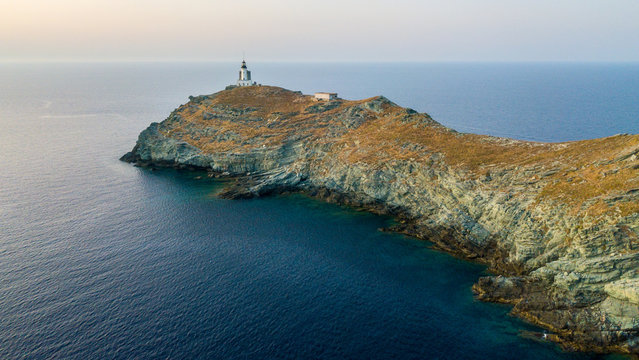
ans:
(318, 30)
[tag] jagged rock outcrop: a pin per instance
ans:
(558, 222)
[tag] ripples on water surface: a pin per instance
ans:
(99, 259)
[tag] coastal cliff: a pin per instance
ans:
(557, 223)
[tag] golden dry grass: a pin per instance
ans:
(584, 173)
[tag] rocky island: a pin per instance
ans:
(557, 223)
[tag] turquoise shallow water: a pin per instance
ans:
(99, 259)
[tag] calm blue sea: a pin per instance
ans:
(103, 260)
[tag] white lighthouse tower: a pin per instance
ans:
(245, 76)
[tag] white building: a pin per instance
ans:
(325, 96)
(245, 76)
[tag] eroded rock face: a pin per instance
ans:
(559, 222)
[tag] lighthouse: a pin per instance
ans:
(245, 76)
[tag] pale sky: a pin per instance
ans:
(320, 30)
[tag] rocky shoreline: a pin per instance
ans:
(557, 223)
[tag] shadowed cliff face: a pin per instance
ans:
(559, 222)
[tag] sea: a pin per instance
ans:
(103, 260)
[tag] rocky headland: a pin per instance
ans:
(557, 223)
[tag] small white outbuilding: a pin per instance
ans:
(325, 96)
